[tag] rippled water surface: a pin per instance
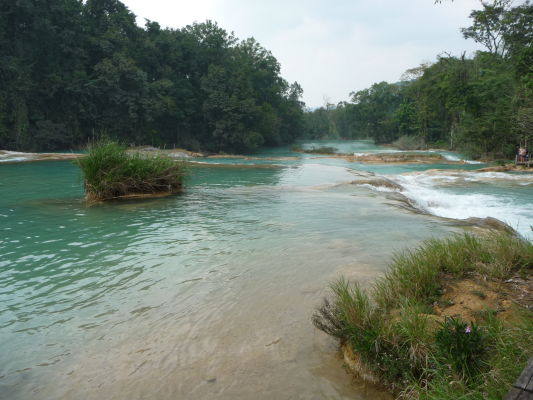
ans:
(207, 294)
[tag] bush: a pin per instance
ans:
(461, 345)
(110, 171)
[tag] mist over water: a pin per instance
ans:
(209, 294)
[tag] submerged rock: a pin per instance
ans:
(378, 182)
(489, 223)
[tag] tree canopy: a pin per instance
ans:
(72, 69)
(481, 105)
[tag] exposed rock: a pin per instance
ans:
(490, 223)
(378, 182)
(356, 366)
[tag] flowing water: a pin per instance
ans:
(209, 294)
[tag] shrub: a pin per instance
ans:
(110, 171)
(461, 345)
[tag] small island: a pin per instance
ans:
(112, 172)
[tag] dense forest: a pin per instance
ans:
(72, 70)
(482, 106)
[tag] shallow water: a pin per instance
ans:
(203, 295)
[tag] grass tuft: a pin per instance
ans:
(110, 171)
(396, 334)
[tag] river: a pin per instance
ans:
(209, 293)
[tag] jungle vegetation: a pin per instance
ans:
(73, 70)
(482, 106)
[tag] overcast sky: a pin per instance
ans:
(331, 47)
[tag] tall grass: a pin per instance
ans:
(110, 171)
(508, 351)
(392, 330)
(415, 273)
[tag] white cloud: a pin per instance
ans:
(331, 48)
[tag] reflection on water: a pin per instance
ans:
(203, 295)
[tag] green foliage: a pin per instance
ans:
(480, 106)
(414, 273)
(410, 276)
(110, 171)
(509, 351)
(69, 68)
(391, 329)
(395, 349)
(489, 25)
(461, 345)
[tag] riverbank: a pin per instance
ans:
(452, 310)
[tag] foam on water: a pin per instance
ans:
(14, 156)
(465, 195)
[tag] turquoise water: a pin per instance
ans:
(201, 295)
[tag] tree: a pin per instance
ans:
(490, 26)
(72, 68)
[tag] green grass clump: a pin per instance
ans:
(505, 353)
(110, 171)
(462, 346)
(395, 334)
(415, 273)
